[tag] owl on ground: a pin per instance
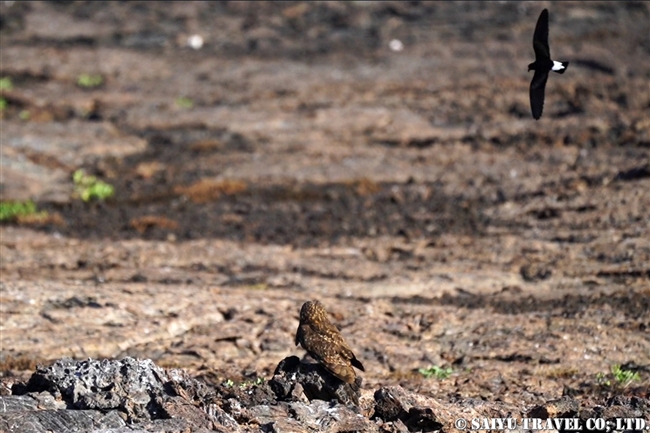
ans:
(323, 341)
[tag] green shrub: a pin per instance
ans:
(621, 378)
(89, 187)
(184, 102)
(624, 377)
(435, 371)
(10, 210)
(89, 81)
(6, 84)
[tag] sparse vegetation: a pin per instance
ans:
(18, 363)
(601, 379)
(26, 212)
(6, 84)
(11, 210)
(184, 102)
(435, 371)
(89, 81)
(251, 383)
(622, 378)
(24, 115)
(245, 384)
(89, 187)
(256, 286)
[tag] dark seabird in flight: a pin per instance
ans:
(542, 65)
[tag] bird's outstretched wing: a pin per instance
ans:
(537, 87)
(540, 38)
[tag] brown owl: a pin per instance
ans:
(323, 341)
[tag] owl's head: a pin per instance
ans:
(313, 311)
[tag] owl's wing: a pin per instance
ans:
(329, 352)
(346, 351)
(333, 334)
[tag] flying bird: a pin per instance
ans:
(542, 65)
(323, 342)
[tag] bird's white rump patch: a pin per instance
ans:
(557, 66)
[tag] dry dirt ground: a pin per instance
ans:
(296, 156)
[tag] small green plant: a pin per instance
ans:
(13, 210)
(624, 377)
(89, 187)
(229, 383)
(618, 377)
(251, 383)
(89, 81)
(184, 102)
(6, 84)
(3, 104)
(435, 371)
(9, 210)
(24, 115)
(601, 379)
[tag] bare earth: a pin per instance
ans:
(411, 192)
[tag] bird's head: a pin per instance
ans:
(313, 311)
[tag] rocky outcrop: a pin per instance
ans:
(132, 395)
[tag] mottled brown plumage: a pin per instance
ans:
(323, 341)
